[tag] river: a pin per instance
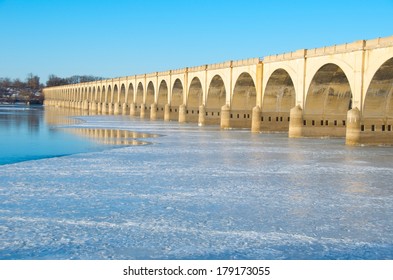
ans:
(198, 193)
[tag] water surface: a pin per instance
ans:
(200, 193)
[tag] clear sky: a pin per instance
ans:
(119, 38)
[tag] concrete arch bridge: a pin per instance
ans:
(336, 91)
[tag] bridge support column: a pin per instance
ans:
(182, 113)
(104, 108)
(85, 105)
(201, 116)
(124, 109)
(93, 107)
(167, 112)
(225, 117)
(143, 110)
(296, 122)
(256, 119)
(352, 136)
(116, 109)
(132, 110)
(110, 108)
(153, 111)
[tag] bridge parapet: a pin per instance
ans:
(221, 65)
(348, 47)
(164, 73)
(141, 76)
(285, 56)
(154, 74)
(179, 71)
(197, 68)
(245, 62)
(379, 42)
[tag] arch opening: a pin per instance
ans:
(216, 98)
(176, 100)
(130, 94)
(149, 97)
(139, 97)
(122, 99)
(328, 100)
(162, 99)
(378, 103)
(279, 98)
(243, 101)
(194, 100)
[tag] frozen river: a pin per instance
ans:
(200, 193)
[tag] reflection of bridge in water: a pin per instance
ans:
(113, 136)
(60, 118)
(338, 91)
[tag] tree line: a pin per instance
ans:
(54, 80)
(30, 90)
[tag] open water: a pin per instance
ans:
(199, 193)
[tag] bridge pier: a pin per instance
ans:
(132, 110)
(93, 107)
(85, 105)
(110, 108)
(201, 117)
(167, 112)
(352, 136)
(225, 117)
(153, 112)
(125, 109)
(116, 108)
(182, 113)
(143, 111)
(296, 122)
(104, 108)
(256, 119)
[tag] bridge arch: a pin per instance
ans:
(176, 99)
(278, 99)
(130, 94)
(139, 97)
(329, 97)
(216, 98)
(378, 103)
(122, 98)
(194, 100)
(162, 99)
(243, 101)
(103, 94)
(150, 93)
(115, 94)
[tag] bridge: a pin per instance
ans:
(336, 91)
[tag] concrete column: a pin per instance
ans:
(182, 113)
(202, 114)
(132, 109)
(124, 109)
(143, 111)
(85, 105)
(110, 108)
(104, 108)
(256, 119)
(153, 111)
(225, 117)
(167, 112)
(296, 122)
(353, 127)
(116, 109)
(99, 108)
(93, 107)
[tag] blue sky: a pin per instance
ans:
(119, 38)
